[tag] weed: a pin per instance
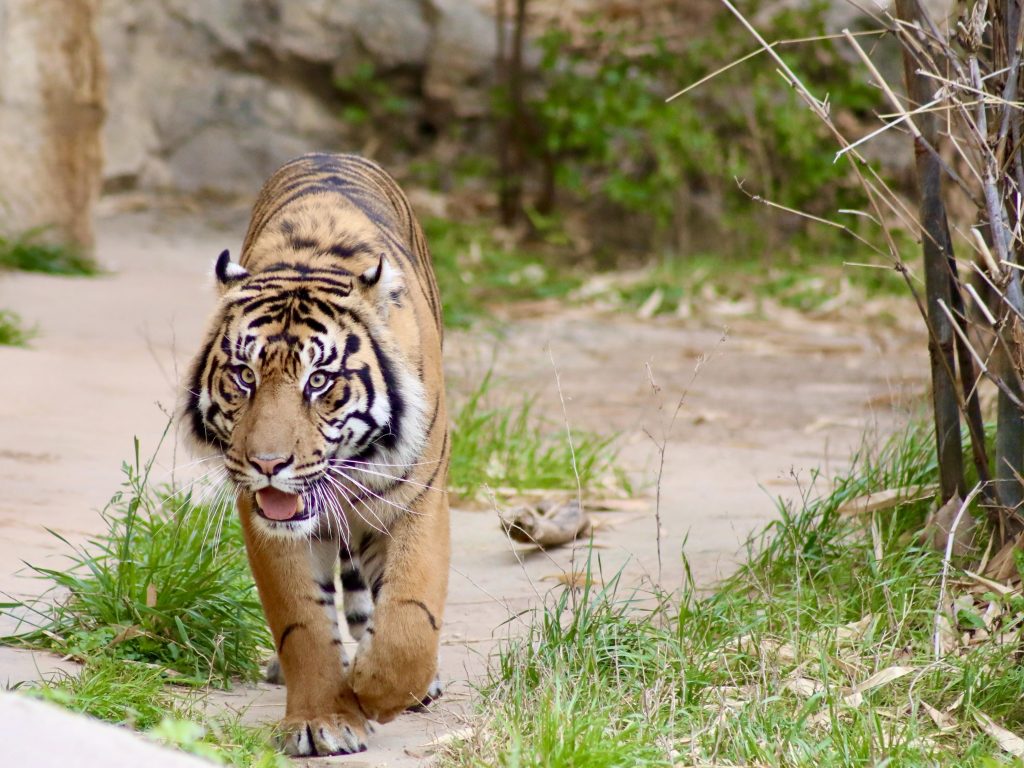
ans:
(27, 252)
(818, 651)
(510, 447)
(12, 332)
(168, 583)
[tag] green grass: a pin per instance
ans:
(758, 672)
(797, 280)
(28, 252)
(113, 690)
(168, 583)
(475, 271)
(137, 696)
(12, 332)
(501, 446)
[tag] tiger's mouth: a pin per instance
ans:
(281, 506)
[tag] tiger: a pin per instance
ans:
(320, 384)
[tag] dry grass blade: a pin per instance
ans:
(572, 579)
(885, 499)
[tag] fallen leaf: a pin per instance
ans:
(990, 585)
(803, 686)
(940, 522)
(1008, 741)
(943, 720)
(1002, 565)
(151, 595)
(855, 630)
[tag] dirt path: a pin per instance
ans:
(773, 402)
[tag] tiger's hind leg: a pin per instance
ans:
(356, 600)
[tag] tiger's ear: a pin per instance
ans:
(382, 284)
(228, 272)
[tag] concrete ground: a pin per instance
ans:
(775, 398)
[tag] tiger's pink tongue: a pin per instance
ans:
(278, 505)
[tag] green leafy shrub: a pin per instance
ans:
(604, 126)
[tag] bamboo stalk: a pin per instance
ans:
(937, 279)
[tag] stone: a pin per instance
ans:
(51, 114)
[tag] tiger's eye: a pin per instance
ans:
(247, 375)
(318, 380)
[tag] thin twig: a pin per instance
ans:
(951, 537)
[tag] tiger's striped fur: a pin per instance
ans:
(320, 383)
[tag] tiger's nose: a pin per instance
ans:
(270, 465)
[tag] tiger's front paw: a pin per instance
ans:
(329, 734)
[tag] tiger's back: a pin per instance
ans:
(325, 208)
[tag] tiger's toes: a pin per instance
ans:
(321, 736)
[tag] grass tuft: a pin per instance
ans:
(29, 253)
(510, 447)
(12, 332)
(168, 583)
(818, 651)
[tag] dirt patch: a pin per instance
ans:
(772, 402)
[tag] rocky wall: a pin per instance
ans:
(212, 95)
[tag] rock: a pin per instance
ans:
(51, 112)
(394, 33)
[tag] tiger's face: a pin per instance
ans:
(299, 379)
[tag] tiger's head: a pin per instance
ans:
(300, 374)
